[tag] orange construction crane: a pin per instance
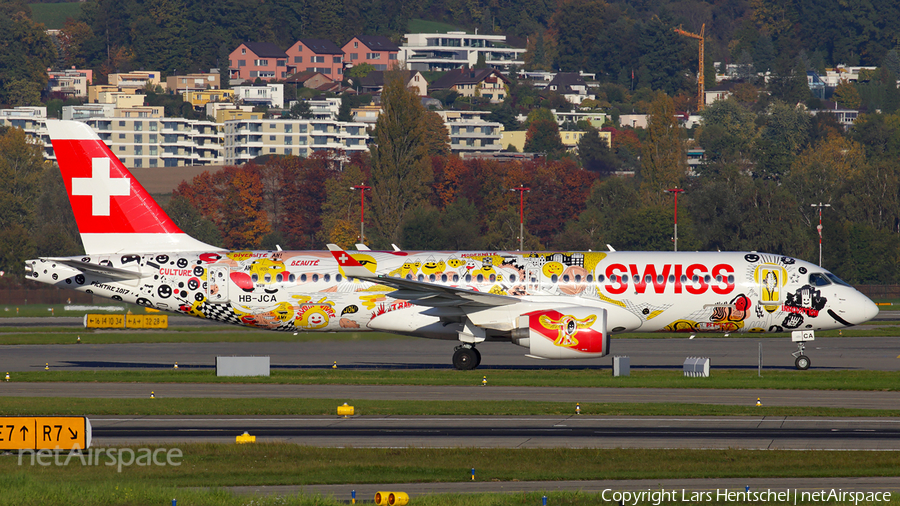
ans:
(700, 81)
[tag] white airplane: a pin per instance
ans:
(558, 305)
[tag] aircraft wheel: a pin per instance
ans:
(465, 359)
(802, 362)
(477, 357)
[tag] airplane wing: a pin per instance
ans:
(100, 270)
(420, 292)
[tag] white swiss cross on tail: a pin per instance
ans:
(100, 186)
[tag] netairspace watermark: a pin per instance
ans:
(112, 457)
(784, 496)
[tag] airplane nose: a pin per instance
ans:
(867, 309)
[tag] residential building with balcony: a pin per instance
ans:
(572, 86)
(31, 120)
(455, 50)
(136, 80)
(269, 95)
(248, 139)
(485, 83)
(261, 60)
(375, 50)
(367, 114)
(469, 132)
(199, 99)
(192, 82)
(160, 142)
(70, 82)
(316, 55)
(374, 82)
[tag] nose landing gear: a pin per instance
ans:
(801, 337)
(802, 361)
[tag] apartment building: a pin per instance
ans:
(136, 80)
(316, 55)
(192, 82)
(160, 142)
(248, 139)
(375, 50)
(70, 82)
(455, 50)
(269, 95)
(199, 99)
(470, 132)
(32, 120)
(485, 83)
(261, 60)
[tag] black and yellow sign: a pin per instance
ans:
(44, 432)
(104, 321)
(149, 321)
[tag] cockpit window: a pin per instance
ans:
(818, 279)
(836, 279)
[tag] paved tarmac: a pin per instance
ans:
(859, 353)
(574, 431)
(346, 393)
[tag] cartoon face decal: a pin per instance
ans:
(551, 268)
(806, 300)
(567, 327)
(432, 266)
(266, 270)
(312, 317)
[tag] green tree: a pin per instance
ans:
(595, 153)
(436, 138)
(191, 222)
(846, 95)
(784, 135)
(543, 137)
(401, 170)
(22, 171)
(663, 157)
(728, 132)
(27, 52)
(300, 110)
(788, 83)
(341, 212)
(359, 71)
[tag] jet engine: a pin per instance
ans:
(573, 332)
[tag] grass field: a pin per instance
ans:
(222, 465)
(424, 26)
(46, 406)
(653, 378)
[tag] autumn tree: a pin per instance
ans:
(244, 222)
(303, 194)
(401, 170)
(663, 158)
(846, 95)
(191, 222)
(820, 172)
(341, 209)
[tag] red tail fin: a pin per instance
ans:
(113, 211)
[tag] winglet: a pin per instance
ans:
(348, 264)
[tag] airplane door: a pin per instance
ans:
(217, 288)
(772, 279)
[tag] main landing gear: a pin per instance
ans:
(466, 357)
(802, 361)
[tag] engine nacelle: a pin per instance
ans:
(576, 332)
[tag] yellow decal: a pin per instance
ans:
(604, 298)
(654, 314)
(567, 326)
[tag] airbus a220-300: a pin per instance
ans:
(557, 305)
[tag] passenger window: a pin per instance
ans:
(315, 278)
(292, 278)
(659, 279)
(303, 278)
(254, 277)
(338, 278)
(443, 278)
(420, 277)
(731, 278)
(565, 278)
(327, 278)
(480, 278)
(554, 278)
(512, 278)
(431, 277)
(578, 278)
(279, 278)
(468, 278)
(671, 278)
(492, 278)
(455, 278)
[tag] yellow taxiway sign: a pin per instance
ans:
(44, 432)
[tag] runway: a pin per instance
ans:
(575, 431)
(859, 353)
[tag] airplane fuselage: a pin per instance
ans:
(309, 291)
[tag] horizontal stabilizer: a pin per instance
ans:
(99, 270)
